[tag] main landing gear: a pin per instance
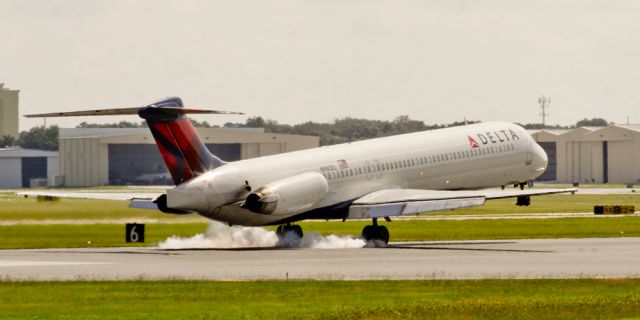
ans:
(289, 235)
(375, 232)
(522, 200)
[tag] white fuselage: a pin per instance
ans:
(466, 157)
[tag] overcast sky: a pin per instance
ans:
(296, 61)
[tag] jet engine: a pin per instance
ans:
(290, 195)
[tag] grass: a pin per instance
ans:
(464, 299)
(585, 185)
(112, 235)
(492, 229)
(560, 203)
(88, 236)
(14, 207)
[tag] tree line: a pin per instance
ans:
(338, 131)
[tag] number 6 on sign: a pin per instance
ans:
(134, 232)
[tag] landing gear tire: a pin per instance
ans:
(289, 235)
(373, 233)
(523, 201)
(297, 230)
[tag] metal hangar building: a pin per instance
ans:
(25, 168)
(129, 156)
(592, 154)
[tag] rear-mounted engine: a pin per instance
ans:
(291, 195)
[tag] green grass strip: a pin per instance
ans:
(72, 236)
(88, 236)
(492, 229)
(467, 299)
(14, 207)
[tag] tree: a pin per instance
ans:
(7, 141)
(595, 122)
(255, 122)
(202, 124)
(43, 138)
(121, 124)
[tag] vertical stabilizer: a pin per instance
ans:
(183, 151)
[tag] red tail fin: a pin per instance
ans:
(183, 151)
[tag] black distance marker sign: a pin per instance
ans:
(134, 233)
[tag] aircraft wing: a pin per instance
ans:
(397, 202)
(139, 199)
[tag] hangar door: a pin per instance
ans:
(33, 168)
(587, 165)
(138, 164)
(620, 162)
(226, 151)
(550, 173)
(142, 164)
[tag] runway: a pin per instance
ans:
(508, 259)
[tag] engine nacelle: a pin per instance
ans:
(290, 195)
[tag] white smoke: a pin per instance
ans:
(219, 235)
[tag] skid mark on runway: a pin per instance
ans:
(428, 247)
(442, 243)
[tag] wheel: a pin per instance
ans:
(297, 230)
(383, 234)
(380, 233)
(367, 233)
(289, 236)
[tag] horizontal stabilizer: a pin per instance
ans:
(125, 195)
(125, 111)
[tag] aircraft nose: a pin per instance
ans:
(540, 159)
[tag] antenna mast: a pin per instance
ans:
(544, 105)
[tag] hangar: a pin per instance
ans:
(24, 168)
(122, 156)
(592, 154)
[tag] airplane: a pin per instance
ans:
(373, 179)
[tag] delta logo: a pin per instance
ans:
(472, 142)
(492, 138)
